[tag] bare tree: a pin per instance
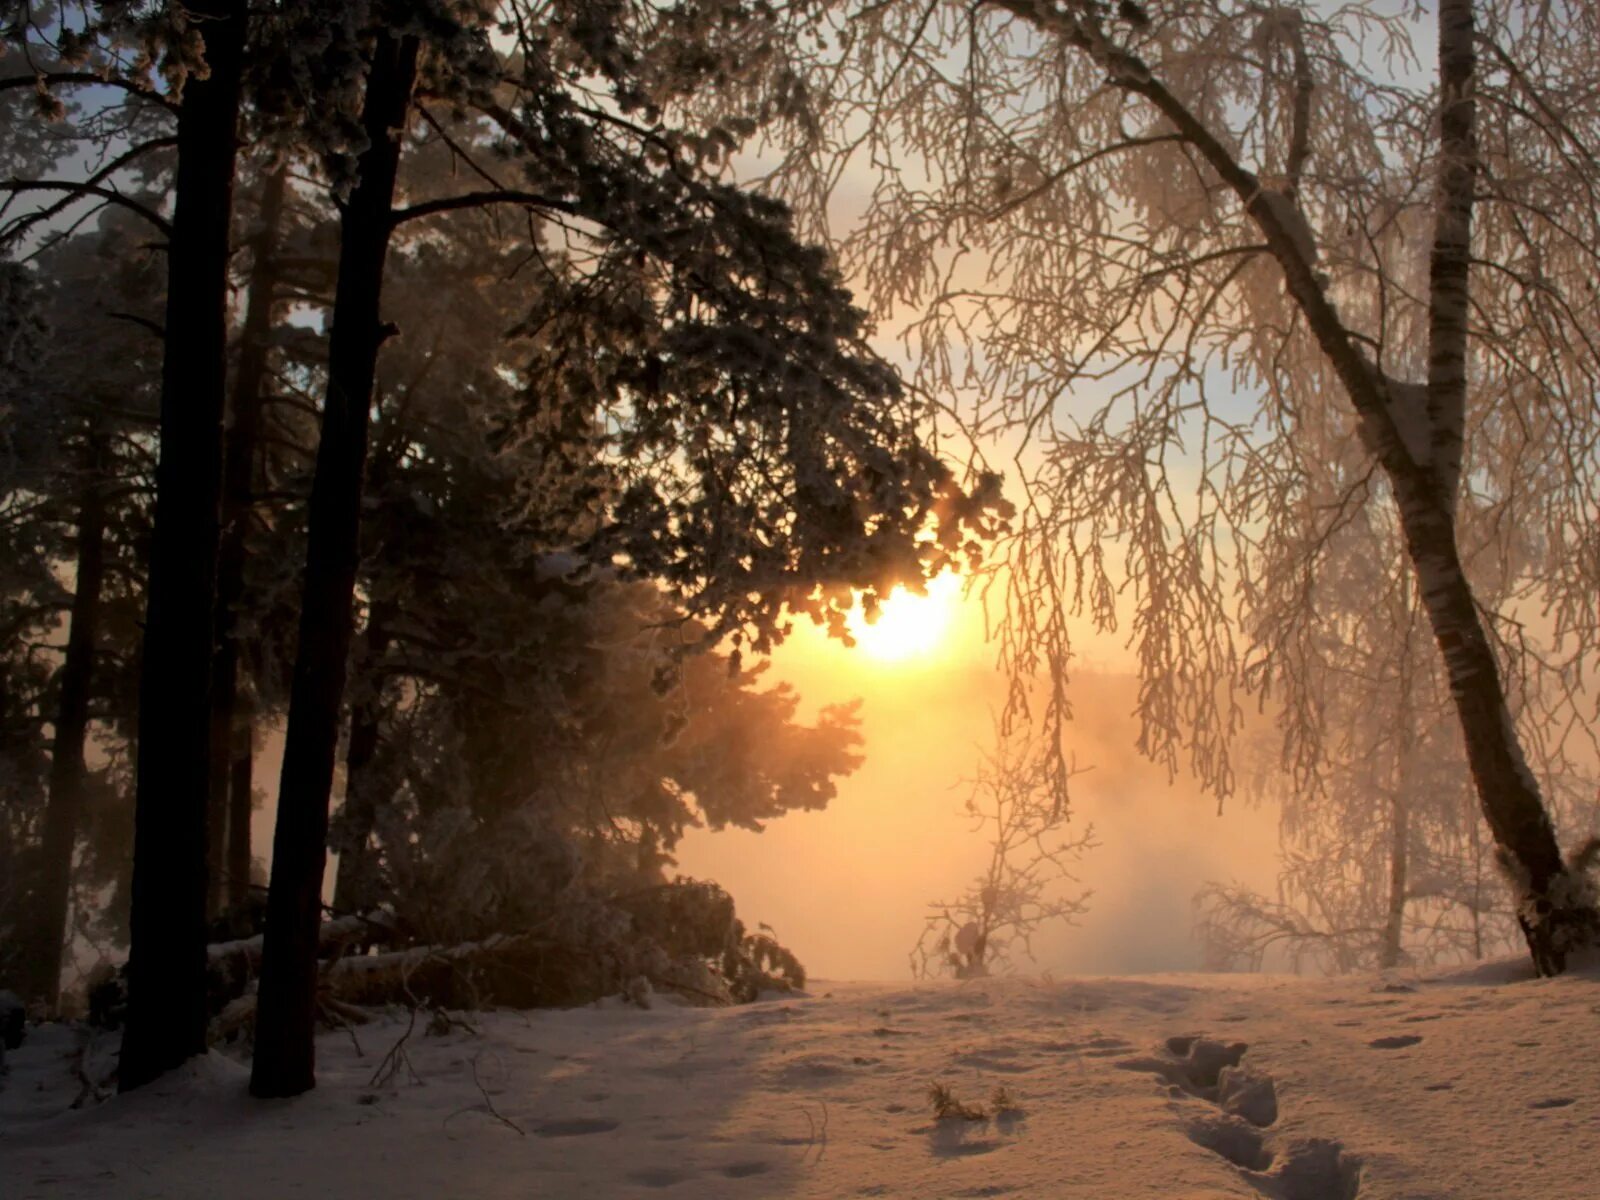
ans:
(1024, 885)
(1172, 258)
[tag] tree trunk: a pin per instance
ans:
(42, 962)
(1552, 910)
(1400, 811)
(1552, 907)
(238, 488)
(241, 801)
(166, 1021)
(284, 1062)
(353, 888)
(1449, 264)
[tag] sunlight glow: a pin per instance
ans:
(908, 625)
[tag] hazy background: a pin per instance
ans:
(847, 888)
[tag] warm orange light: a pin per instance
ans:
(908, 625)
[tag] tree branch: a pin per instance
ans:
(109, 195)
(35, 79)
(28, 221)
(428, 208)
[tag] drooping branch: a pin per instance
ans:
(49, 79)
(1276, 214)
(28, 221)
(486, 199)
(79, 190)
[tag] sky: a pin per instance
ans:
(847, 888)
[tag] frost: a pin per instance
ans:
(1287, 214)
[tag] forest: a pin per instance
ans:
(422, 422)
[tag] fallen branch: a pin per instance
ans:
(243, 955)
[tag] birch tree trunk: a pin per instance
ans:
(285, 1057)
(1554, 909)
(166, 1021)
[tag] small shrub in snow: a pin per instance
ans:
(947, 1106)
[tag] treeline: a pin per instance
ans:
(399, 373)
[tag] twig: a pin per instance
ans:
(488, 1105)
(396, 1058)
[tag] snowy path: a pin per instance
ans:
(1454, 1089)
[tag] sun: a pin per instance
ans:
(908, 625)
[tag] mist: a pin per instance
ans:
(848, 887)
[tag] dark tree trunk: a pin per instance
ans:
(166, 1021)
(1400, 803)
(241, 801)
(1399, 871)
(42, 962)
(285, 1054)
(238, 489)
(353, 889)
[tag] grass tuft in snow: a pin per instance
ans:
(947, 1106)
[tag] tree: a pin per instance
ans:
(232, 744)
(287, 1012)
(1111, 219)
(1383, 858)
(1015, 802)
(166, 1021)
(76, 488)
(737, 442)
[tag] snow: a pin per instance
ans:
(1479, 1084)
(1293, 222)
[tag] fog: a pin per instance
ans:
(847, 887)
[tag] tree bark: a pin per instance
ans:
(284, 1063)
(1449, 264)
(1554, 916)
(166, 1021)
(238, 490)
(1400, 811)
(353, 886)
(42, 961)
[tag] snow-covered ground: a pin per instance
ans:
(1472, 1085)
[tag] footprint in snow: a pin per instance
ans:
(657, 1177)
(745, 1170)
(1236, 1142)
(1398, 1041)
(1247, 1107)
(575, 1127)
(1193, 1064)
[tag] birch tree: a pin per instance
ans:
(1163, 256)
(1383, 858)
